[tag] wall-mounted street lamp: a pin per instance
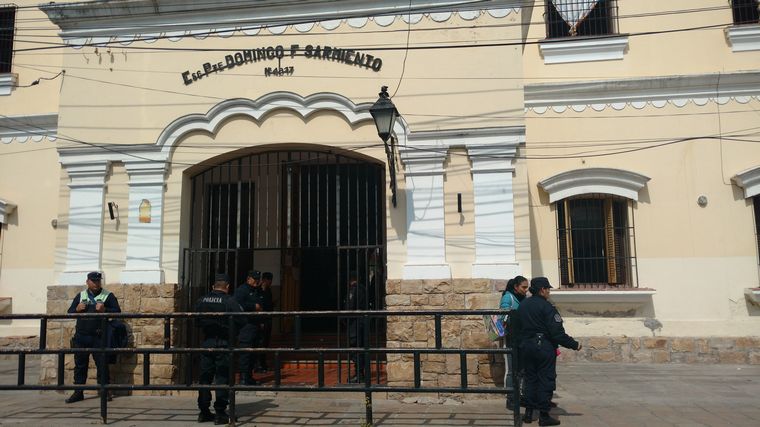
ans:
(384, 113)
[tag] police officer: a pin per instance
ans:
(356, 299)
(250, 297)
(265, 335)
(541, 332)
(216, 334)
(89, 332)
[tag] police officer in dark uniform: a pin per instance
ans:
(216, 334)
(356, 299)
(89, 333)
(265, 335)
(540, 333)
(250, 297)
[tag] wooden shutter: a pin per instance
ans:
(565, 243)
(610, 246)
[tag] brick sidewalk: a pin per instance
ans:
(588, 395)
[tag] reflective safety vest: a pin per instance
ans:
(99, 298)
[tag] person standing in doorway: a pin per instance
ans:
(249, 296)
(541, 333)
(356, 299)
(514, 293)
(216, 334)
(89, 331)
(265, 335)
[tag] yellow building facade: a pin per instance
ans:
(610, 146)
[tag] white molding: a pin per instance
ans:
(744, 38)
(594, 180)
(33, 128)
(144, 239)
(85, 224)
(749, 180)
(499, 271)
(633, 296)
(127, 21)
(426, 271)
(212, 120)
(564, 51)
(6, 208)
(8, 82)
(639, 93)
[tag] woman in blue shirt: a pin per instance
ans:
(515, 292)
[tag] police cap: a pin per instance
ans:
(539, 283)
(95, 276)
(254, 274)
(221, 277)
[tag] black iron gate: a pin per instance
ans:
(311, 217)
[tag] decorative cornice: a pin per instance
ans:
(594, 180)
(148, 20)
(145, 172)
(8, 82)
(91, 174)
(587, 49)
(28, 128)
(658, 92)
(744, 38)
(749, 180)
(6, 208)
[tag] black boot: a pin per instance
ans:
(77, 396)
(528, 417)
(545, 419)
(205, 416)
(221, 418)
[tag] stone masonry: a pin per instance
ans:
(469, 332)
(143, 333)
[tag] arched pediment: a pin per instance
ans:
(749, 180)
(257, 110)
(577, 182)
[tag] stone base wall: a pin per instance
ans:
(17, 342)
(143, 333)
(741, 350)
(482, 370)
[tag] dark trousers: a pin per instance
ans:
(356, 339)
(82, 360)
(540, 363)
(215, 369)
(263, 339)
(248, 338)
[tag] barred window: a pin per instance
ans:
(756, 203)
(570, 18)
(745, 11)
(7, 29)
(596, 242)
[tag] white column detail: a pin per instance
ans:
(492, 173)
(426, 240)
(146, 200)
(85, 233)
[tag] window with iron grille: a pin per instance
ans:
(746, 11)
(7, 29)
(595, 242)
(571, 18)
(756, 203)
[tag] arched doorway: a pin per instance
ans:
(309, 216)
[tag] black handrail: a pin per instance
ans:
(367, 387)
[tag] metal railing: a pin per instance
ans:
(571, 18)
(745, 11)
(169, 325)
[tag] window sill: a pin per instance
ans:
(629, 295)
(753, 295)
(744, 38)
(587, 49)
(8, 82)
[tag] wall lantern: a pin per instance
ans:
(384, 113)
